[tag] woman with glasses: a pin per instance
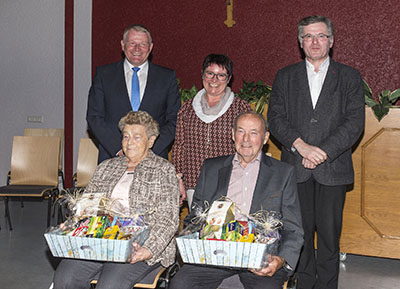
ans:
(204, 126)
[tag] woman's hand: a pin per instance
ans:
(182, 189)
(140, 254)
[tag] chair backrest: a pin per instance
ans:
(49, 132)
(35, 160)
(87, 162)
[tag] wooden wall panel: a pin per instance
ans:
(370, 225)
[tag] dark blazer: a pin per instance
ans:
(334, 125)
(109, 101)
(275, 190)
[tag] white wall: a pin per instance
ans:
(32, 68)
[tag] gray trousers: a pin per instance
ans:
(77, 274)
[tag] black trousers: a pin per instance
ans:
(208, 277)
(322, 211)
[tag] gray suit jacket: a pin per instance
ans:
(275, 190)
(334, 125)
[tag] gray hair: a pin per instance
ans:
(251, 112)
(311, 20)
(140, 118)
(138, 28)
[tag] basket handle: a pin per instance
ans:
(220, 253)
(86, 248)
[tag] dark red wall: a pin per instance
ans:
(263, 40)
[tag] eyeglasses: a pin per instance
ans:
(319, 37)
(210, 75)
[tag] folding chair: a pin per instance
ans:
(85, 167)
(59, 132)
(34, 171)
(86, 163)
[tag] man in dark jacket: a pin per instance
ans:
(110, 96)
(316, 111)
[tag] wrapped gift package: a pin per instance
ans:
(224, 253)
(94, 248)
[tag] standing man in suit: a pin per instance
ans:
(254, 182)
(155, 90)
(316, 111)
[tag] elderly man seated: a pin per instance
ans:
(254, 182)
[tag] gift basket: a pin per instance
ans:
(96, 230)
(214, 237)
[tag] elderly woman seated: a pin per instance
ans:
(141, 181)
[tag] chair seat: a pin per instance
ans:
(26, 190)
(151, 279)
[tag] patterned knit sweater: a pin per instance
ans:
(196, 140)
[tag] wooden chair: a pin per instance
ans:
(85, 167)
(86, 162)
(34, 170)
(59, 132)
(285, 285)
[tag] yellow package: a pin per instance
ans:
(111, 233)
(247, 238)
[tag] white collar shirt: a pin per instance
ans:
(242, 184)
(316, 79)
(142, 75)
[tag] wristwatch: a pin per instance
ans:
(287, 266)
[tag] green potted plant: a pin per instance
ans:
(255, 93)
(187, 93)
(385, 101)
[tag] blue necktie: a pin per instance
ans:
(135, 93)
